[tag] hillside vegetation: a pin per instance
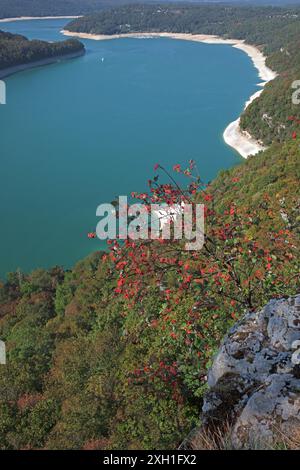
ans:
(114, 353)
(17, 50)
(15, 8)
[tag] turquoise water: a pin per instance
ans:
(76, 134)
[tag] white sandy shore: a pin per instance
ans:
(241, 141)
(24, 18)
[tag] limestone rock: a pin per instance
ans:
(254, 382)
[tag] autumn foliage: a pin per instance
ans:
(237, 270)
(115, 352)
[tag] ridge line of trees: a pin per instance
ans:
(18, 50)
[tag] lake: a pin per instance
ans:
(79, 133)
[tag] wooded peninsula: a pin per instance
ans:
(16, 50)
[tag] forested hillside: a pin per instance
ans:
(255, 24)
(274, 30)
(16, 8)
(114, 354)
(17, 50)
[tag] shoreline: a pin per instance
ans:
(26, 18)
(4, 73)
(239, 140)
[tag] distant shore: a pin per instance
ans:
(24, 18)
(240, 140)
(39, 63)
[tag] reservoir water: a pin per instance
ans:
(79, 133)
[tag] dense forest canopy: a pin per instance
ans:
(16, 49)
(91, 368)
(255, 24)
(15, 8)
(274, 30)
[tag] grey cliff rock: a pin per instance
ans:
(254, 382)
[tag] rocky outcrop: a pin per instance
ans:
(254, 382)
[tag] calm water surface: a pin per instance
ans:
(78, 133)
